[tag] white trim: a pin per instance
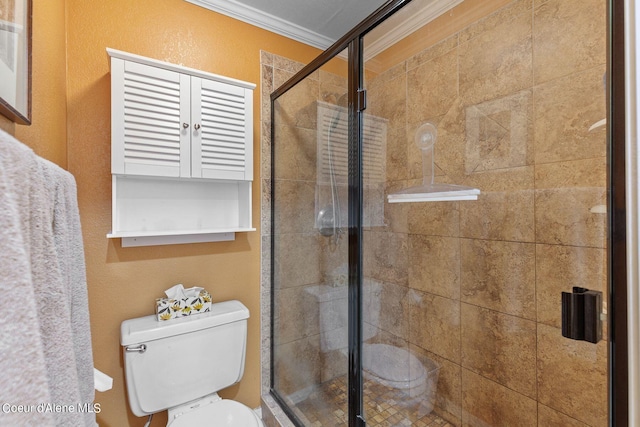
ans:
(175, 239)
(416, 21)
(113, 53)
(266, 21)
(632, 76)
(259, 18)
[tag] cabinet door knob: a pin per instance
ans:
(185, 125)
(197, 126)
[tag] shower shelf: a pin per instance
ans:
(429, 191)
(434, 193)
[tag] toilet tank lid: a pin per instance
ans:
(148, 328)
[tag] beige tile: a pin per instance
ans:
(486, 403)
(434, 218)
(497, 61)
(548, 417)
(500, 347)
(566, 195)
(396, 154)
(298, 106)
(297, 260)
(333, 364)
(388, 309)
(295, 153)
(564, 110)
(584, 173)
(434, 324)
(432, 88)
(265, 150)
(504, 209)
(569, 36)
(499, 133)
(434, 265)
(559, 269)
(503, 215)
(389, 74)
(266, 58)
(565, 216)
(448, 392)
(296, 314)
(572, 376)
(333, 79)
(396, 215)
(505, 15)
(286, 64)
(433, 52)
(334, 258)
(499, 276)
(295, 205)
(333, 88)
(280, 76)
(373, 206)
(387, 98)
(450, 146)
(265, 207)
(385, 256)
(265, 270)
(266, 78)
(297, 365)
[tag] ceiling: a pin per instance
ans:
(320, 23)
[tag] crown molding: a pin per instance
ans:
(402, 28)
(417, 20)
(266, 21)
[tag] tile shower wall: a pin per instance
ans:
(476, 285)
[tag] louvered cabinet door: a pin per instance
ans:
(222, 139)
(150, 124)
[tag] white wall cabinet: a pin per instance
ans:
(181, 153)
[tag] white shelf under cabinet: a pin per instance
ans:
(157, 211)
(133, 239)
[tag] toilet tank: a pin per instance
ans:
(183, 359)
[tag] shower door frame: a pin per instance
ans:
(616, 204)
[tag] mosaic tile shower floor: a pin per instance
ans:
(326, 407)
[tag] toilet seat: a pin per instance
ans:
(393, 366)
(219, 413)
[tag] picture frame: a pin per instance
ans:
(15, 60)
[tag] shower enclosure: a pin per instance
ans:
(442, 241)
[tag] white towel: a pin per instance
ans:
(63, 292)
(52, 247)
(23, 375)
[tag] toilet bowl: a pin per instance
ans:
(213, 411)
(180, 365)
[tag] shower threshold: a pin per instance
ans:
(383, 407)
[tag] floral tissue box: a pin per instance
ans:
(170, 308)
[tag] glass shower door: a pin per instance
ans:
(310, 270)
(463, 298)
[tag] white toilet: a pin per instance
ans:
(180, 365)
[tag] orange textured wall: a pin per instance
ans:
(47, 133)
(124, 282)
